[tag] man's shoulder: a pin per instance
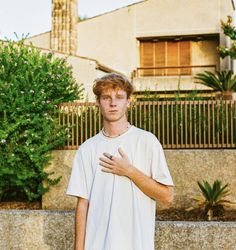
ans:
(144, 134)
(90, 142)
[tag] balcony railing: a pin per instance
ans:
(177, 124)
(172, 70)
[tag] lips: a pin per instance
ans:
(113, 111)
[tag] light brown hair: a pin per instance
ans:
(112, 81)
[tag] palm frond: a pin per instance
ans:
(223, 80)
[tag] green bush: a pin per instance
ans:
(32, 84)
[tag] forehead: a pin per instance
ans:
(111, 92)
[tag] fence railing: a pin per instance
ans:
(172, 70)
(177, 124)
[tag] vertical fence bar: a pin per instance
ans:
(231, 125)
(208, 123)
(154, 117)
(195, 124)
(181, 124)
(204, 124)
(177, 125)
(186, 105)
(163, 124)
(158, 121)
(199, 124)
(140, 114)
(172, 125)
(227, 123)
(190, 125)
(81, 124)
(72, 127)
(222, 123)
(168, 125)
(77, 127)
(213, 125)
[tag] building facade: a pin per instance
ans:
(159, 45)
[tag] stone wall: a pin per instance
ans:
(186, 167)
(53, 230)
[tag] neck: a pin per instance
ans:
(114, 129)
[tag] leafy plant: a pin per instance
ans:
(221, 81)
(32, 85)
(213, 198)
(230, 31)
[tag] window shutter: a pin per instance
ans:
(160, 58)
(185, 57)
(172, 57)
(147, 58)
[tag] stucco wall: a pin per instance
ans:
(116, 44)
(186, 167)
(41, 41)
(50, 230)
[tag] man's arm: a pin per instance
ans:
(80, 222)
(150, 187)
(122, 166)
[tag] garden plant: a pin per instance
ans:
(213, 198)
(32, 85)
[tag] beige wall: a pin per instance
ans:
(116, 44)
(40, 41)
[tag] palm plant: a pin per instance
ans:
(223, 81)
(213, 198)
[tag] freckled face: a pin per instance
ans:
(113, 104)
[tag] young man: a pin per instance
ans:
(118, 175)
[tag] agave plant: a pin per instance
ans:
(223, 81)
(213, 198)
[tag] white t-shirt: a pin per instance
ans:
(120, 215)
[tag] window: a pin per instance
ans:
(158, 58)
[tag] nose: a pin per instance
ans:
(113, 102)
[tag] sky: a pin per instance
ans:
(34, 16)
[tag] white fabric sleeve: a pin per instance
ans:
(159, 168)
(81, 176)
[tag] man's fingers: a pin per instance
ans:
(111, 157)
(107, 160)
(108, 170)
(105, 164)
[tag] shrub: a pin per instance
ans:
(213, 198)
(32, 84)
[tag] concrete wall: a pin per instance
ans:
(186, 167)
(116, 44)
(50, 230)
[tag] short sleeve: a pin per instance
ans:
(159, 168)
(81, 176)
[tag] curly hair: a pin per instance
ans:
(112, 81)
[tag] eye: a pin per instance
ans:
(120, 97)
(105, 97)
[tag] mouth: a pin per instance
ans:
(113, 111)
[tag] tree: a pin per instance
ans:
(32, 84)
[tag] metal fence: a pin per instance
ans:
(177, 124)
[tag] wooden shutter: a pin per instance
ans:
(160, 58)
(185, 57)
(172, 57)
(147, 58)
